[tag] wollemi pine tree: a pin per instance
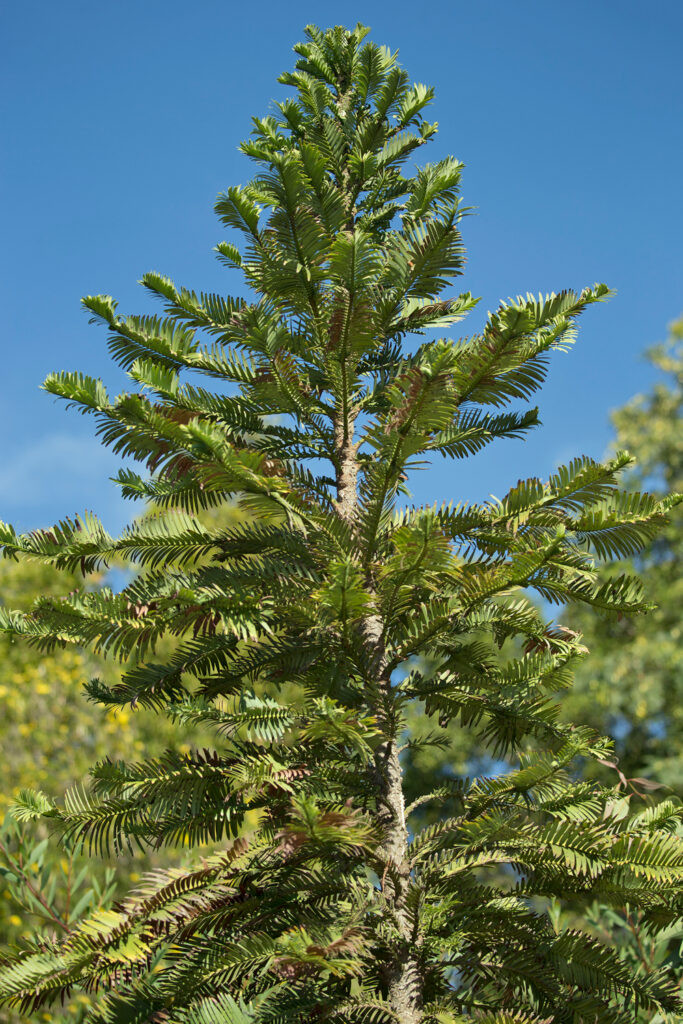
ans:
(302, 634)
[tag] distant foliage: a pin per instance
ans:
(301, 636)
(49, 736)
(632, 685)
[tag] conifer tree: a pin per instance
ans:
(300, 634)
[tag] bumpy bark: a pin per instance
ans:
(347, 468)
(403, 973)
(404, 978)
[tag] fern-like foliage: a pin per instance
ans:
(302, 634)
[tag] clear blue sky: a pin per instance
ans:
(121, 121)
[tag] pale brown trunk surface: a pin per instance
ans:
(403, 974)
(347, 470)
(404, 977)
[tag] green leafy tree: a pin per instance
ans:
(301, 633)
(49, 736)
(630, 687)
(632, 684)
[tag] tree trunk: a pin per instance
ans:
(347, 469)
(403, 972)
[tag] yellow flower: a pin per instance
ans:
(15, 920)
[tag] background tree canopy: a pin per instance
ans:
(50, 734)
(631, 687)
